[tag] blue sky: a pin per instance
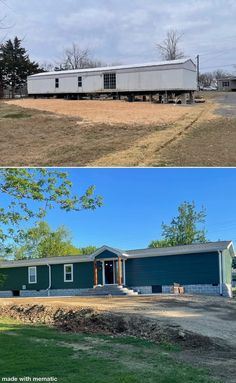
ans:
(119, 31)
(138, 200)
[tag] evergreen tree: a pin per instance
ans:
(15, 65)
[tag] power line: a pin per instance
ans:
(219, 66)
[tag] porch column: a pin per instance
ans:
(95, 270)
(119, 274)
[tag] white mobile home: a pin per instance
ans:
(178, 76)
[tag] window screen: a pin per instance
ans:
(57, 82)
(110, 81)
(68, 273)
(32, 274)
(80, 82)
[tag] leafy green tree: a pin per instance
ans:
(15, 65)
(30, 194)
(87, 250)
(41, 242)
(183, 229)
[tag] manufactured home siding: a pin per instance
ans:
(17, 277)
(106, 255)
(83, 276)
(186, 269)
(174, 76)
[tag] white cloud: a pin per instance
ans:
(125, 31)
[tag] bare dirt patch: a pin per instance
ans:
(116, 133)
(198, 314)
(109, 112)
(196, 324)
(43, 139)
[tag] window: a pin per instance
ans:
(225, 84)
(68, 273)
(57, 82)
(110, 81)
(80, 82)
(32, 275)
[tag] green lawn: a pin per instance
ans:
(38, 351)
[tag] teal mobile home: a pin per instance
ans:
(199, 268)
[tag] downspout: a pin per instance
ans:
(49, 279)
(221, 272)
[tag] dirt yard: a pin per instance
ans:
(109, 112)
(116, 133)
(91, 133)
(201, 315)
(204, 327)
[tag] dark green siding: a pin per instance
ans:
(83, 276)
(106, 254)
(18, 277)
(184, 269)
(100, 279)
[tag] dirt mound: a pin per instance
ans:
(91, 321)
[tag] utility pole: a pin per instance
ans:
(198, 72)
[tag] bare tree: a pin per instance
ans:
(219, 73)
(206, 79)
(169, 48)
(47, 67)
(77, 58)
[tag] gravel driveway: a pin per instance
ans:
(209, 316)
(228, 105)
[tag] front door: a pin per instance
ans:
(109, 273)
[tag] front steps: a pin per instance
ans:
(109, 291)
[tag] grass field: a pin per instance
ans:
(93, 133)
(38, 351)
(116, 133)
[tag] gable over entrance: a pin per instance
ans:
(107, 252)
(109, 266)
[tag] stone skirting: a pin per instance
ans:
(52, 293)
(143, 289)
(6, 294)
(191, 289)
(44, 293)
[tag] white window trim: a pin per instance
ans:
(35, 269)
(72, 273)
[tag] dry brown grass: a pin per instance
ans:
(109, 112)
(91, 133)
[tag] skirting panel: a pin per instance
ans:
(191, 289)
(143, 289)
(5, 294)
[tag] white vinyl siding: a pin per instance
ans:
(177, 76)
(68, 273)
(32, 275)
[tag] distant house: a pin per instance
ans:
(227, 84)
(199, 268)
